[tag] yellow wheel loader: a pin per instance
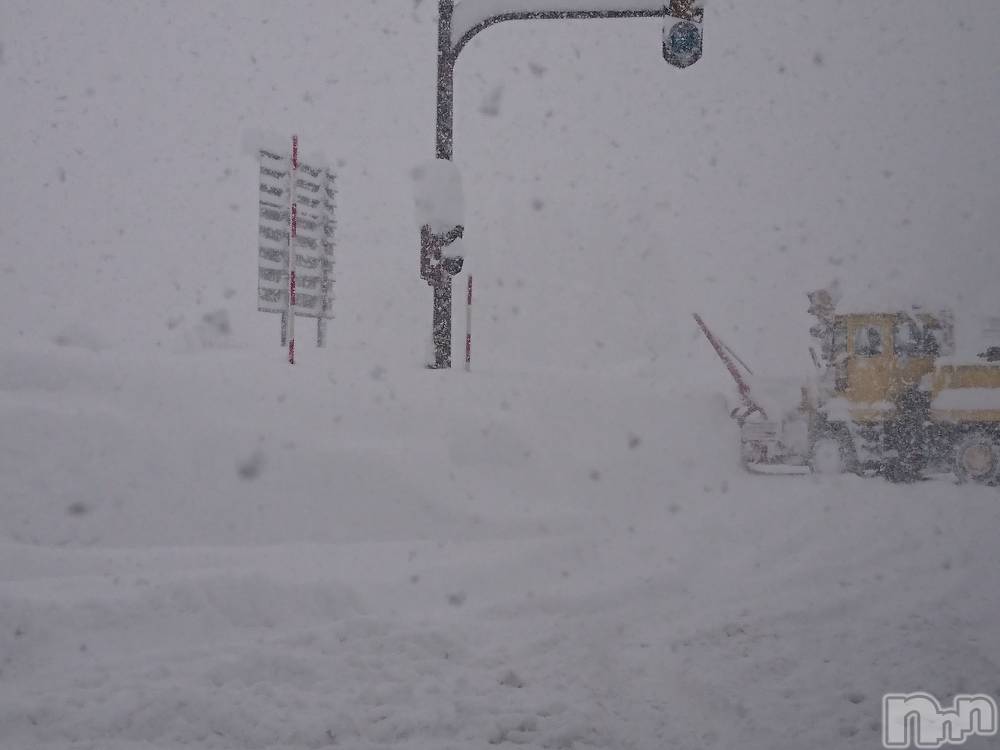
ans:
(888, 398)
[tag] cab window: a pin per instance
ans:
(839, 343)
(938, 340)
(907, 339)
(868, 341)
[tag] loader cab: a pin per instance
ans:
(881, 355)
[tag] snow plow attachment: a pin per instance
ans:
(766, 446)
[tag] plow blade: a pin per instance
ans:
(777, 469)
(766, 448)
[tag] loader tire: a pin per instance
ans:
(977, 458)
(832, 450)
(827, 457)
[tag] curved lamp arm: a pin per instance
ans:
(472, 16)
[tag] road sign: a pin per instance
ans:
(313, 188)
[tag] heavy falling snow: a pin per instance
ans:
(204, 547)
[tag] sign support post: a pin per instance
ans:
(468, 327)
(293, 175)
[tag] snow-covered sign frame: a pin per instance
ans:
(313, 242)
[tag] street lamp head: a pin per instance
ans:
(682, 43)
(682, 32)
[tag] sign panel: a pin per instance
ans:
(315, 190)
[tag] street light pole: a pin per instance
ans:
(681, 47)
(445, 82)
(444, 139)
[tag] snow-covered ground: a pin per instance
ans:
(202, 547)
(196, 554)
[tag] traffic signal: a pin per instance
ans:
(436, 266)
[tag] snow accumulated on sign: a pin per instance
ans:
(314, 239)
(438, 197)
(470, 13)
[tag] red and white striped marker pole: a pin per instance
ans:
(292, 226)
(468, 327)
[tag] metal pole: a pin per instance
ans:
(293, 176)
(445, 82)
(468, 327)
(444, 130)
